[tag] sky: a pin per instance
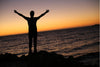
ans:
(63, 14)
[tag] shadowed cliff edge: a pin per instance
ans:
(44, 59)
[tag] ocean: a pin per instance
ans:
(68, 42)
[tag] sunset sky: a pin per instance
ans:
(63, 14)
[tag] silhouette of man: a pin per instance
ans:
(32, 28)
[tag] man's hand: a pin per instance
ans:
(15, 11)
(47, 11)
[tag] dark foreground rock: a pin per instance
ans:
(41, 59)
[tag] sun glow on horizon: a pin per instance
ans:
(63, 14)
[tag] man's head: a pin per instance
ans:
(32, 13)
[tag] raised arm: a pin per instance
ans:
(43, 14)
(20, 14)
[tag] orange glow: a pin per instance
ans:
(75, 14)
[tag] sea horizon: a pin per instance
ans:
(51, 30)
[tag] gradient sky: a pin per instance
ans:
(63, 14)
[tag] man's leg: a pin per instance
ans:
(35, 43)
(30, 45)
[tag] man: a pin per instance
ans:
(32, 28)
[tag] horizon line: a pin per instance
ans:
(49, 30)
